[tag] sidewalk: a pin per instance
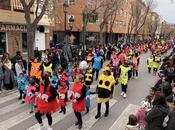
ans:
(122, 120)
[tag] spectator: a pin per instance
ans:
(155, 117)
(64, 61)
(97, 64)
(37, 53)
(8, 72)
(132, 123)
(1, 76)
(141, 114)
(171, 121)
(19, 67)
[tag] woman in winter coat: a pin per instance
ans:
(8, 72)
(170, 125)
(155, 117)
(1, 76)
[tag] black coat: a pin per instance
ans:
(155, 118)
(171, 122)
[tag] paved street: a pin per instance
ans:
(15, 116)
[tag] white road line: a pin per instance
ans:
(11, 107)
(89, 119)
(57, 117)
(9, 97)
(122, 120)
(4, 125)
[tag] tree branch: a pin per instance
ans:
(38, 18)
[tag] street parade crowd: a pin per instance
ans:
(45, 82)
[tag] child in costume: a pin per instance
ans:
(88, 101)
(46, 101)
(105, 90)
(74, 71)
(123, 78)
(65, 77)
(55, 81)
(88, 81)
(88, 77)
(136, 60)
(78, 99)
(156, 63)
(150, 63)
(23, 83)
(35, 69)
(63, 96)
(69, 71)
(31, 93)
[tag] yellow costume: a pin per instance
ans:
(105, 87)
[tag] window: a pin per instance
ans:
(2, 42)
(24, 42)
(5, 4)
(71, 2)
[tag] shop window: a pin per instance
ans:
(2, 42)
(24, 42)
(5, 4)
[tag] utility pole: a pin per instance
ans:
(84, 29)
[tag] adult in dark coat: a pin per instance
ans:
(64, 62)
(171, 121)
(155, 117)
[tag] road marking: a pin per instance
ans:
(9, 97)
(57, 117)
(11, 107)
(89, 119)
(122, 120)
(4, 125)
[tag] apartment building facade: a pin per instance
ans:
(76, 8)
(13, 36)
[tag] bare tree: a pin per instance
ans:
(139, 13)
(40, 7)
(106, 10)
(167, 30)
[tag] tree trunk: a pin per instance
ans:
(30, 43)
(101, 37)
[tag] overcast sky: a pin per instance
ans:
(166, 9)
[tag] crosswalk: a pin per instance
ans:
(15, 116)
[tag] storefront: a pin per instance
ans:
(13, 37)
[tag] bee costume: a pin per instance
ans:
(105, 91)
(88, 77)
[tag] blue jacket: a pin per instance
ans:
(54, 81)
(97, 64)
(22, 83)
(88, 102)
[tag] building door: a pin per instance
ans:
(3, 43)
(40, 40)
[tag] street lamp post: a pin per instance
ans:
(71, 22)
(65, 9)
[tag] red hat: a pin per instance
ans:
(63, 84)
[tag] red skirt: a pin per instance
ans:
(47, 107)
(62, 102)
(79, 106)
